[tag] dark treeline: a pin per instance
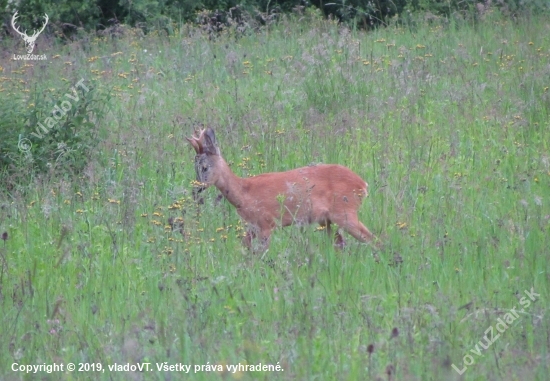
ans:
(69, 16)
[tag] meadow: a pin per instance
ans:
(446, 119)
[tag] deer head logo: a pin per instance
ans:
(29, 40)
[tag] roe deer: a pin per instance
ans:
(322, 194)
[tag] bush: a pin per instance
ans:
(49, 131)
(370, 13)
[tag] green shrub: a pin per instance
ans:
(49, 131)
(369, 13)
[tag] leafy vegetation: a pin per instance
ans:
(448, 122)
(48, 129)
(69, 17)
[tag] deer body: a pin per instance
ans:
(322, 194)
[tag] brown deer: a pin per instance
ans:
(323, 194)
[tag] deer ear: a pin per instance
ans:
(210, 146)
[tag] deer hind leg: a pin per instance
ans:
(261, 243)
(248, 237)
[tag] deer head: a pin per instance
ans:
(29, 40)
(207, 153)
(322, 194)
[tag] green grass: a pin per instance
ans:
(448, 122)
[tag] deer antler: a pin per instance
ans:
(43, 27)
(14, 27)
(197, 142)
(36, 33)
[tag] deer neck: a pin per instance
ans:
(229, 184)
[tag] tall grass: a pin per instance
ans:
(448, 122)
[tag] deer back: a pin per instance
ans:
(305, 195)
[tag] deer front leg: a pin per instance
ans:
(359, 231)
(351, 224)
(256, 241)
(339, 242)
